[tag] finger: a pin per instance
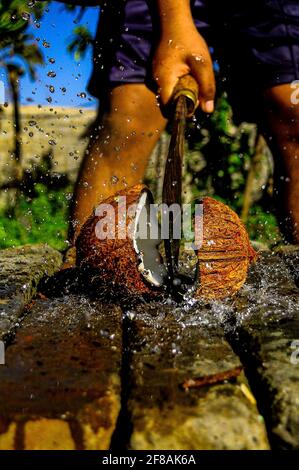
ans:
(202, 71)
(167, 86)
(167, 80)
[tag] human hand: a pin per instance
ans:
(182, 52)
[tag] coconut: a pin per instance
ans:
(120, 242)
(225, 254)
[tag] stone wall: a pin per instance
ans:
(45, 130)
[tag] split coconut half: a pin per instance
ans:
(120, 240)
(225, 253)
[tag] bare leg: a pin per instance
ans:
(281, 129)
(117, 154)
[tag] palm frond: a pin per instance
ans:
(80, 41)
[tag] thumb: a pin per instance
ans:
(167, 78)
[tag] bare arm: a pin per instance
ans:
(182, 50)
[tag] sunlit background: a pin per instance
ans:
(52, 34)
(45, 64)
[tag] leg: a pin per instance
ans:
(118, 152)
(281, 129)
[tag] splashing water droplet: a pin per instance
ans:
(198, 58)
(25, 16)
(114, 179)
(130, 315)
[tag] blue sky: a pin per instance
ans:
(56, 29)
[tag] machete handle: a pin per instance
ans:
(188, 87)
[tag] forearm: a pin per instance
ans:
(175, 16)
(181, 51)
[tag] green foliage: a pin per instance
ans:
(225, 152)
(14, 16)
(39, 219)
(217, 163)
(262, 226)
(14, 41)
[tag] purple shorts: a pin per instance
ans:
(255, 44)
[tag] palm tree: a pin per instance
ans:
(30, 55)
(17, 47)
(14, 16)
(80, 41)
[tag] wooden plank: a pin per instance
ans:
(290, 257)
(21, 269)
(267, 315)
(60, 386)
(169, 346)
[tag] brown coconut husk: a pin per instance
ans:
(223, 258)
(225, 254)
(115, 260)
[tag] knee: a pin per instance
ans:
(132, 110)
(282, 111)
(123, 127)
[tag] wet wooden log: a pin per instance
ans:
(168, 348)
(267, 316)
(21, 269)
(76, 377)
(290, 256)
(60, 385)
